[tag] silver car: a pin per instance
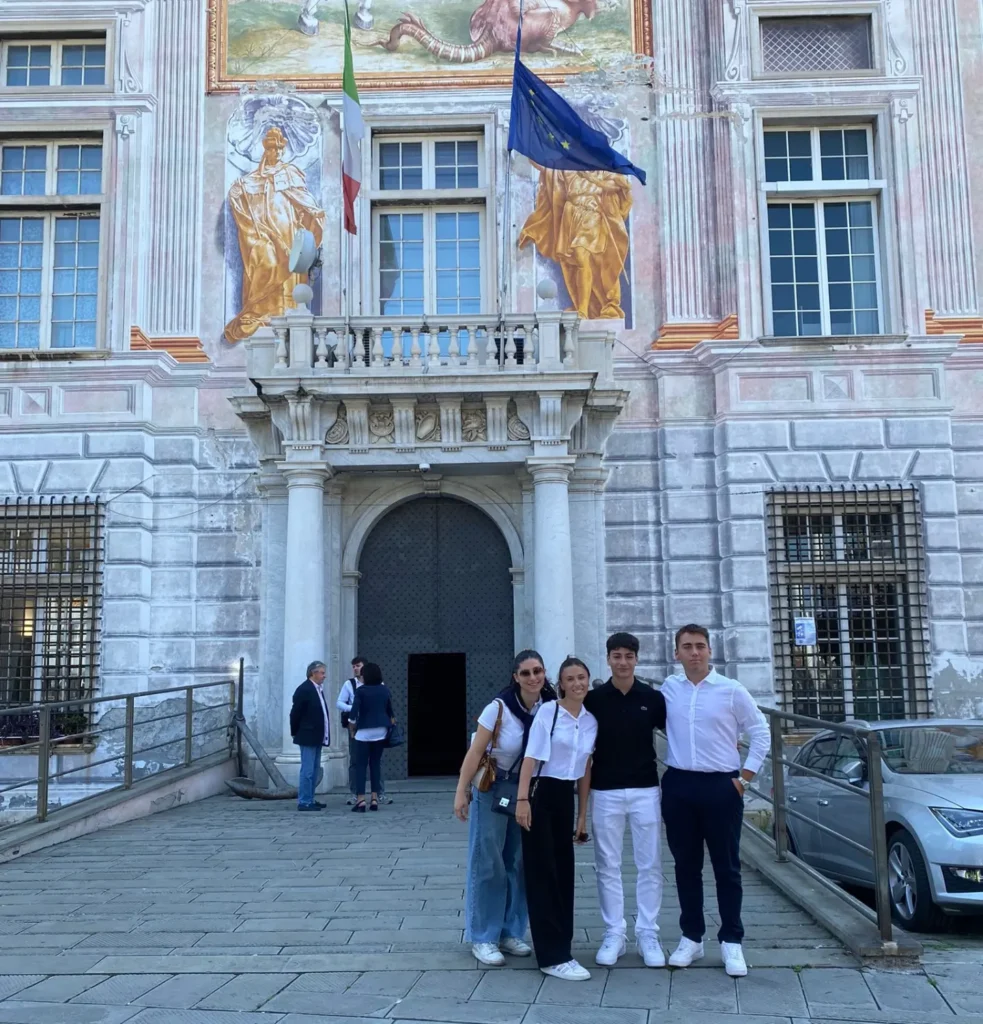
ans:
(933, 807)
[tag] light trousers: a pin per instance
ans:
(639, 809)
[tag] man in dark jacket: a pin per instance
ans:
(311, 730)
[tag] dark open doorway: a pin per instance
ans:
(437, 714)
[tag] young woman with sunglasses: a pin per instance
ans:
(560, 745)
(495, 897)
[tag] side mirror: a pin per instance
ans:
(855, 773)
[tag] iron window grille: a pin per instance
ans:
(51, 558)
(798, 45)
(847, 569)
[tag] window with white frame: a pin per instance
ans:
(36, 63)
(51, 193)
(429, 234)
(822, 231)
(826, 43)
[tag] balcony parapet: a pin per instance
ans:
(302, 345)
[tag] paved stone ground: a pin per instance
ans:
(231, 912)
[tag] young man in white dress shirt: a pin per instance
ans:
(703, 792)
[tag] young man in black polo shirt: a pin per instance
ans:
(625, 785)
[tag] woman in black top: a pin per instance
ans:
(372, 716)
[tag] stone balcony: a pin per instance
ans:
(375, 391)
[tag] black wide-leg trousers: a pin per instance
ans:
(705, 808)
(547, 857)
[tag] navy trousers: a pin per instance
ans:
(704, 809)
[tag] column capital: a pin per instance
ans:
(588, 478)
(305, 474)
(518, 575)
(550, 468)
(350, 578)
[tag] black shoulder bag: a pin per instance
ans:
(344, 714)
(505, 790)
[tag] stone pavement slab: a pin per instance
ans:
(231, 912)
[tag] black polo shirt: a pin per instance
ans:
(624, 756)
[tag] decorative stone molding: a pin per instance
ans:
(684, 336)
(970, 327)
(338, 431)
(474, 424)
(382, 425)
(426, 419)
(184, 350)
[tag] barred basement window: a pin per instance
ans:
(847, 601)
(51, 554)
(798, 45)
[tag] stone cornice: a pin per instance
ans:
(867, 351)
(159, 369)
(70, 11)
(390, 385)
(804, 92)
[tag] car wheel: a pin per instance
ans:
(911, 893)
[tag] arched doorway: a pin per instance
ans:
(435, 612)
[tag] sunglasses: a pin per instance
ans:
(525, 673)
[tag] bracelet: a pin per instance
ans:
(522, 799)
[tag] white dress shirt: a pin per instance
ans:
(324, 709)
(511, 734)
(347, 695)
(565, 756)
(705, 720)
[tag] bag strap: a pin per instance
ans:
(556, 713)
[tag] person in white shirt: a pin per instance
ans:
(561, 742)
(495, 914)
(703, 792)
(346, 698)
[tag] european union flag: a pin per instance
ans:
(545, 128)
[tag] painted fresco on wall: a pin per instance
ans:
(418, 43)
(580, 227)
(273, 177)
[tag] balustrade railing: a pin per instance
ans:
(426, 344)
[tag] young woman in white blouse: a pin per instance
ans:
(561, 742)
(496, 918)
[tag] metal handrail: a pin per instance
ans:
(874, 794)
(46, 745)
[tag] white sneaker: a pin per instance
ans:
(650, 950)
(570, 971)
(515, 947)
(612, 949)
(686, 952)
(488, 953)
(733, 958)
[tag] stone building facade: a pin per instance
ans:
(783, 432)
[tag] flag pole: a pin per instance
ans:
(505, 289)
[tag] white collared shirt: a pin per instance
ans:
(510, 735)
(565, 756)
(324, 710)
(705, 720)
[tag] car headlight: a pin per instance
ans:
(961, 824)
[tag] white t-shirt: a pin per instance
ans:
(510, 736)
(565, 756)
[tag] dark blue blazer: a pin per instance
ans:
(307, 716)
(372, 707)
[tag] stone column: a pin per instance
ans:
(587, 548)
(304, 632)
(553, 582)
(942, 130)
(173, 270)
(686, 146)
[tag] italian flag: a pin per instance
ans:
(354, 132)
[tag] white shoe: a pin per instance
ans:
(612, 949)
(515, 947)
(650, 950)
(733, 958)
(686, 952)
(570, 971)
(488, 953)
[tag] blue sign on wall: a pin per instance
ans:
(805, 632)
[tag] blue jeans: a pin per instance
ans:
(351, 770)
(495, 889)
(310, 775)
(368, 756)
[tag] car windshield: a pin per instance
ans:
(934, 749)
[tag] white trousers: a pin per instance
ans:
(641, 809)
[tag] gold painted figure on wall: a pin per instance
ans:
(580, 222)
(269, 205)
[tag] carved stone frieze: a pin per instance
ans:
(382, 425)
(338, 432)
(474, 425)
(518, 431)
(427, 422)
